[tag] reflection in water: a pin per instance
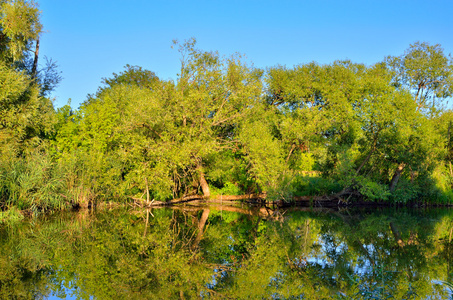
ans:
(229, 252)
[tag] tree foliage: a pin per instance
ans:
(426, 72)
(376, 132)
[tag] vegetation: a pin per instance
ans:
(344, 130)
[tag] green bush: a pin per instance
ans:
(229, 188)
(373, 190)
(314, 186)
(405, 192)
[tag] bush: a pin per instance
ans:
(406, 192)
(373, 191)
(228, 189)
(313, 185)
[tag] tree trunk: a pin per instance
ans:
(204, 186)
(201, 225)
(203, 183)
(396, 176)
(34, 70)
(397, 235)
(293, 146)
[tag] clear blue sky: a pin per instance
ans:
(91, 39)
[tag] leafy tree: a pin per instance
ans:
(427, 72)
(359, 126)
(25, 115)
(29, 177)
(19, 29)
(162, 133)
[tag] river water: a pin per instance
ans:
(224, 252)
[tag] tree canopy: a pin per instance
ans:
(342, 130)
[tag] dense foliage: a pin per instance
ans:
(378, 133)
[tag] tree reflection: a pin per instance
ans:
(229, 252)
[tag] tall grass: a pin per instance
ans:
(78, 183)
(32, 183)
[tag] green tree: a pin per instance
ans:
(160, 135)
(20, 28)
(427, 72)
(25, 115)
(363, 131)
(29, 178)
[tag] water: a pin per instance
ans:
(229, 252)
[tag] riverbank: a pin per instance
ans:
(13, 214)
(301, 201)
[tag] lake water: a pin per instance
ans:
(229, 253)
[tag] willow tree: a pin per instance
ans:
(426, 72)
(20, 29)
(358, 125)
(154, 136)
(187, 121)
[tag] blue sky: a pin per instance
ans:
(91, 39)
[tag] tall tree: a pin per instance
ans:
(20, 28)
(24, 113)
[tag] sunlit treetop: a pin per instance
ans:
(426, 71)
(19, 28)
